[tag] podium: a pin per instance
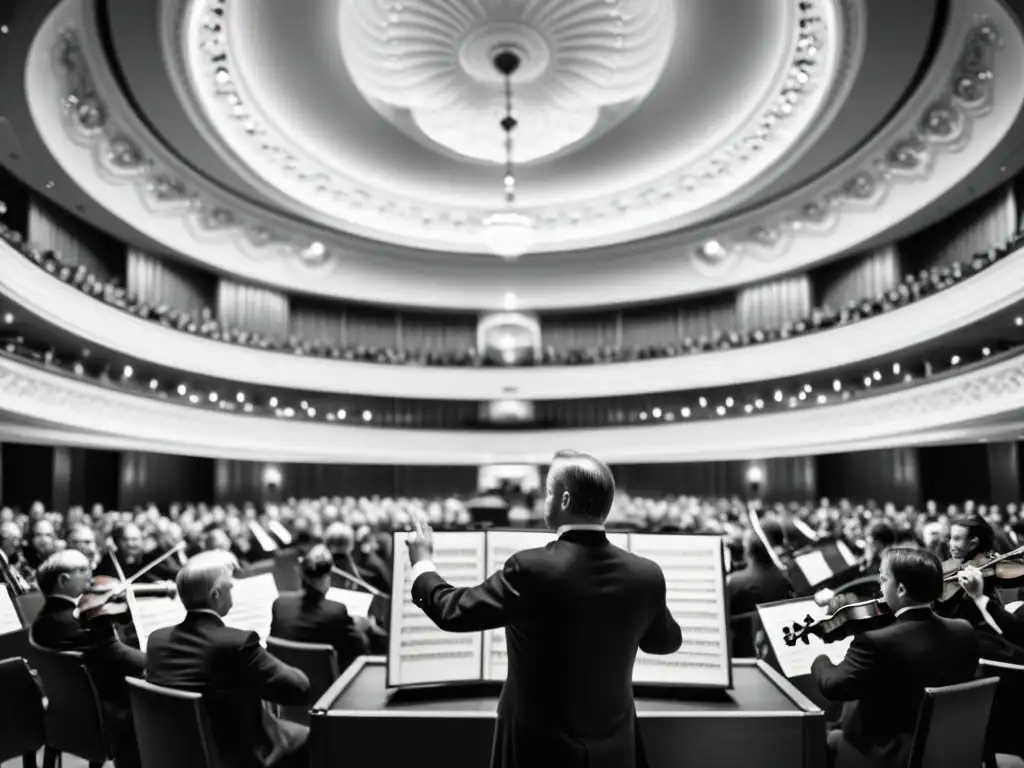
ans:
(762, 721)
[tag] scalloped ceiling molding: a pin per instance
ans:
(435, 62)
(830, 215)
(946, 409)
(364, 207)
(998, 288)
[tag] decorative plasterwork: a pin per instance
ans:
(86, 414)
(145, 186)
(998, 288)
(435, 61)
(365, 207)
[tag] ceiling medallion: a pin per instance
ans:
(434, 61)
(815, 61)
(945, 126)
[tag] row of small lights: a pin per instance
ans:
(685, 412)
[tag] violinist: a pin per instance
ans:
(129, 554)
(63, 578)
(1003, 622)
(886, 670)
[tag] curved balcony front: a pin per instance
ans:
(995, 289)
(39, 406)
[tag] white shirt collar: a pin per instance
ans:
(70, 599)
(581, 527)
(206, 610)
(903, 610)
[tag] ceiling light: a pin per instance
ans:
(822, 399)
(985, 352)
(807, 388)
(748, 408)
(79, 369)
(802, 395)
(8, 318)
(877, 375)
(303, 405)
(867, 381)
(895, 369)
(311, 412)
(720, 410)
(316, 250)
(508, 234)
(128, 371)
(213, 397)
(247, 407)
(182, 389)
(194, 399)
(240, 397)
(702, 402)
(759, 403)
(778, 395)
(153, 383)
(685, 413)
(341, 413)
(1018, 321)
(656, 413)
(837, 385)
(954, 360)
(643, 415)
(273, 402)
(367, 416)
(712, 249)
(729, 402)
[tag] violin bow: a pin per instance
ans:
(127, 583)
(990, 563)
(359, 582)
(755, 523)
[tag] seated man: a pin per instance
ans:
(886, 670)
(230, 668)
(63, 578)
(309, 617)
(759, 582)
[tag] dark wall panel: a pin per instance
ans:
(951, 474)
(1003, 472)
(27, 475)
(163, 479)
(95, 478)
(885, 475)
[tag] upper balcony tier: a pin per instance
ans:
(995, 284)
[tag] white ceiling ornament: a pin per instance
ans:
(435, 60)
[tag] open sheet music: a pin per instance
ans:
(10, 621)
(419, 652)
(695, 578)
(253, 600)
(795, 661)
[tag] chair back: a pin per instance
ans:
(22, 727)
(952, 725)
(1005, 735)
(172, 727)
(30, 604)
(317, 660)
(15, 644)
(286, 572)
(74, 716)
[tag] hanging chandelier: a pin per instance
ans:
(506, 233)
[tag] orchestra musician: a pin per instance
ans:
(886, 670)
(230, 668)
(575, 612)
(130, 555)
(760, 581)
(63, 578)
(83, 539)
(309, 617)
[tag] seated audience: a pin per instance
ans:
(82, 539)
(129, 553)
(886, 670)
(62, 579)
(231, 669)
(309, 617)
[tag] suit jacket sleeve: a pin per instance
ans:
(111, 651)
(1011, 624)
(850, 679)
(494, 603)
(663, 635)
(267, 677)
(352, 640)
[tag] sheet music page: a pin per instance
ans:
(253, 600)
(9, 620)
(280, 531)
(846, 553)
(796, 660)
(501, 545)
(358, 603)
(695, 583)
(814, 567)
(419, 652)
(262, 537)
(152, 613)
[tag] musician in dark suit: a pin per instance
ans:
(230, 668)
(62, 579)
(129, 555)
(575, 612)
(886, 670)
(309, 617)
(759, 582)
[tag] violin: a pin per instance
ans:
(108, 598)
(845, 618)
(1005, 570)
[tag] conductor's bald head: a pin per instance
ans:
(580, 489)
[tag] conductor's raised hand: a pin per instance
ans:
(420, 542)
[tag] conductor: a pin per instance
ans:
(575, 612)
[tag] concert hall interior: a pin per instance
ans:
(324, 322)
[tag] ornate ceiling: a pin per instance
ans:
(352, 149)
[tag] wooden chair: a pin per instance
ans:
(952, 725)
(172, 727)
(317, 660)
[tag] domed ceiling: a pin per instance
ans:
(353, 148)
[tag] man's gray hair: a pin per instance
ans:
(200, 575)
(65, 561)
